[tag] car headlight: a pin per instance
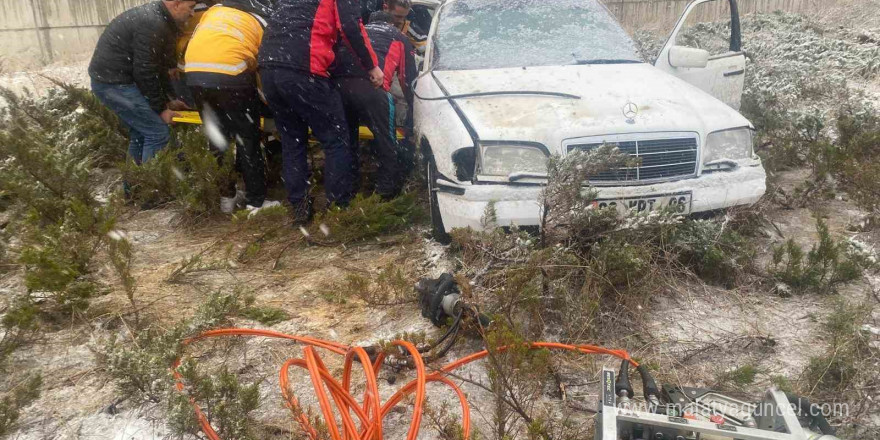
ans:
(730, 144)
(510, 159)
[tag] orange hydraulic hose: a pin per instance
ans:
(370, 412)
(371, 394)
(420, 388)
(465, 408)
(334, 387)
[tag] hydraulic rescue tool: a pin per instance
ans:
(682, 413)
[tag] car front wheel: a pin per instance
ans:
(438, 231)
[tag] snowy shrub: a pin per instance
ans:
(228, 404)
(591, 263)
(58, 222)
(848, 360)
(859, 157)
(185, 174)
(141, 368)
(92, 129)
(11, 404)
(568, 214)
(141, 364)
(827, 266)
(368, 217)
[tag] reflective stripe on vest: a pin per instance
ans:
(238, 68)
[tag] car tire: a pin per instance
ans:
(438, 231)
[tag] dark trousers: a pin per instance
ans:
(236, 113)
(299, 101)
(375, 108)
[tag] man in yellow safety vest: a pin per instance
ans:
(221, 70)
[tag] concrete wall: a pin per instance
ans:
(39, 32)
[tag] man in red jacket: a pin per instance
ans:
(375, 107)
(295, 55)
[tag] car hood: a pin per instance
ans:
(665, 103)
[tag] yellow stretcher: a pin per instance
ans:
(192, 117)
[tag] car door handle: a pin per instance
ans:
(734, 72)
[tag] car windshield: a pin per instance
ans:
(487, 34)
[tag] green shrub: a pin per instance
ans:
(141, 366)
(263, 314)
(568, 214)
(590, 262)
(859, 163)
(21, 396)
(445, 421)
(228, 405)
(121, 254)
(849, 358)
(141, 369)
(92, 128)
(53, 212)
(368, 217)
(263, 218)
(19, 323)
(827, 265)
(517, 378)
(185, 173)
(391, 286)
(782, 383)
(622, 262)
(4, 253)
(715, 253)
(739, 377)
(75, 120)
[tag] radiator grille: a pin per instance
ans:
(661, 159)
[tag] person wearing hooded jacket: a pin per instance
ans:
(221, 71)
(130, 72)
(375, 107)
(294, 59)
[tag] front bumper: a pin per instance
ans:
(519, 204)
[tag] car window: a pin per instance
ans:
(486, 34)
(707, 27)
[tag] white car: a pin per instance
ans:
(505, 84)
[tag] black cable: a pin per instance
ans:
(622, 383)
(452, 328)
(448, 346)
(649, 387)
(452, 331)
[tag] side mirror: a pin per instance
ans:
(680, 56)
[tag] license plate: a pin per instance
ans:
(679, 203)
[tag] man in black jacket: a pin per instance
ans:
(295, 56)
(130, 68)
(375, 107)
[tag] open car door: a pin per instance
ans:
(719, 71)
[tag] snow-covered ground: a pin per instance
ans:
(36, 82)
(721, 327)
